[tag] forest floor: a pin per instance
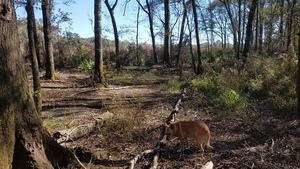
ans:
(130, 113)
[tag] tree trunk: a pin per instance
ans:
(167, 40)
(199, 65)
(46, 10)
(290, 24)
(24, 141)
(298, 78)
(149, 12)
(206, 31)
(261, 27)
(233, 26)
(115, 28)
(238, 48)
(137, 36)
(150, 16)
(36, 43)
(98, 73)
(256, 30)
(181, 30)
(249, 29)
(191, 46)
(32, 52)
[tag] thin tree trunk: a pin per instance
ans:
(36, 44)
(137, 36)
(167, 39)
(261, 28)
(234, 28)
(115, 28)
(206, 31)
(256, 30)
(199, 65)
(191, 46)
(239, 29)
(249, 29)
(290, 24)
(98, 72)
(181, 31)
(149, 12)
(32, 52)
(47, 10)
(298, 78)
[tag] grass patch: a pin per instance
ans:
(123, 125)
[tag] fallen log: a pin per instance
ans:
(77, 132)
(73, 134)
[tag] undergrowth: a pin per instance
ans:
(227, 87)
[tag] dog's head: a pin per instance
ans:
(170, 130)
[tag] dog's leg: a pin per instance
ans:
(182, 143)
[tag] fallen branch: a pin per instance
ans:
(163, 138)
(74, 133)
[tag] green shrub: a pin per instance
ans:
(214, 92)
(231, 100)
(86, 65)
(173, 86)
(273, 79)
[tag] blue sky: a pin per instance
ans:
(82, 10)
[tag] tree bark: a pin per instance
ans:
(290, 23)
(46, 10)
(199, 65)
(181, 30)
(149, 12)
(191, 46)
(115, 28)
(98, 72)
(249, 29)
(167, 39)
(233, 25)
(32, 52)
(298, 78)
(24, 141)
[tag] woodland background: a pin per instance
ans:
(242, 80)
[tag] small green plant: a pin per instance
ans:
(86, 65)
(231, 100)
(173, 86)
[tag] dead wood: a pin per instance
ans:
(156, 151)
(73, 134)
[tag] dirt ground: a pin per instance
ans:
(131, 114)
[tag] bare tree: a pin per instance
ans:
(149, 12)
(47, 10)
(115, 28)
(98, 72)
(233, 26)
(33, 55)
(185, 6)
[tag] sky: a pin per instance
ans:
(83, 10)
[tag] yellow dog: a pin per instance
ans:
(189, 129)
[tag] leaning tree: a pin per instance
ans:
(25, 143)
